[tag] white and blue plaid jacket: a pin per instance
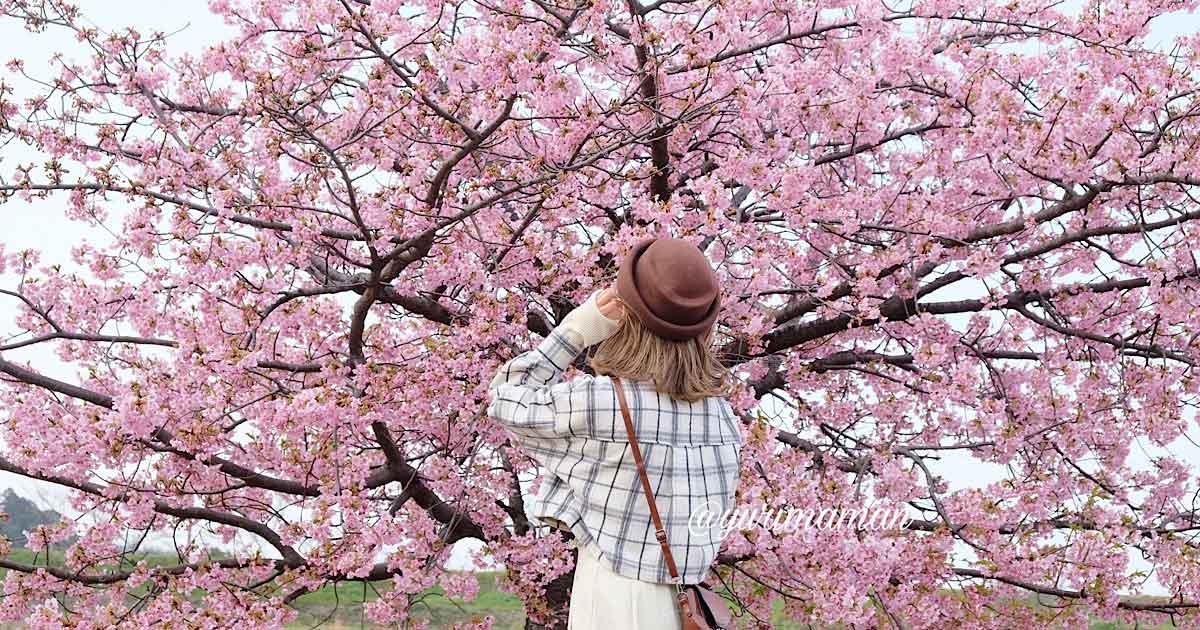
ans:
(575, 432)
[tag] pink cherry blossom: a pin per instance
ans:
(951, 236)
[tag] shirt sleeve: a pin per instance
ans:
(526, 394)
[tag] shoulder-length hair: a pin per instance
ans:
(685, 370)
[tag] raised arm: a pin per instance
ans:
(526, 394)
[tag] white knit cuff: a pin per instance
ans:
(591, 325)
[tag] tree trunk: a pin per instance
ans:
(558, 595)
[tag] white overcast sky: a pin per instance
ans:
(42, 226)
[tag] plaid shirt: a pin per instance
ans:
(574, 430)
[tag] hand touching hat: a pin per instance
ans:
(597, 318)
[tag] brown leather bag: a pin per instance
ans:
(700, 607)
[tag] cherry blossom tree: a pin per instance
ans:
(948, 232)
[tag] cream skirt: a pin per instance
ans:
(604, 600)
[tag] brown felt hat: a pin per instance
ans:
(670, 285)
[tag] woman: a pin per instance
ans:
(654, 332)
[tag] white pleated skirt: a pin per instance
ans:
(604, 600)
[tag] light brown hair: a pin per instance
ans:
(685, 370)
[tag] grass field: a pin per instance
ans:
(341, 608)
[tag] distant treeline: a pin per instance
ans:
(23, 516)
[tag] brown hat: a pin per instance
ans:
(670, 285)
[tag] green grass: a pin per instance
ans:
(342, 607)
(781, 622)
(28, 556)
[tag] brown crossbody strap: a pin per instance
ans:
(659, 532)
